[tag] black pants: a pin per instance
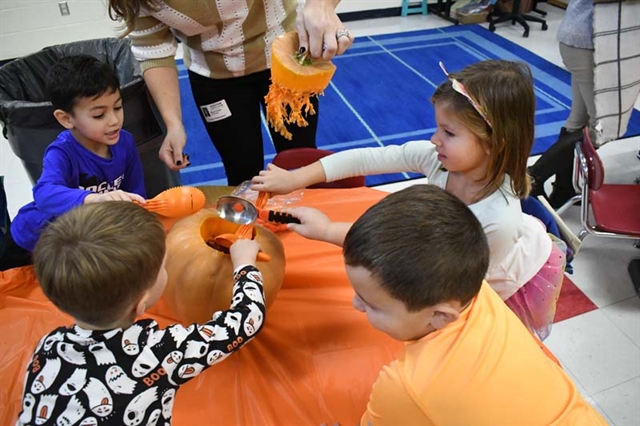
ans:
(237, 133)
(12, 255)
(557, 160)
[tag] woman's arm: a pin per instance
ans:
(163, 86)
(154, 46)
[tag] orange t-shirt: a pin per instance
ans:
(484, 369)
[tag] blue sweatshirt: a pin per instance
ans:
(70, 172)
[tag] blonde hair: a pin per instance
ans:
(128, 11)
(95, 261)
(504, 91)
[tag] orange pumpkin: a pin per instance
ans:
(294, 80)
(200, 277)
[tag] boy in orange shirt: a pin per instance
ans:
(416, 261)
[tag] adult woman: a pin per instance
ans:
(227, 49)
(575, 36)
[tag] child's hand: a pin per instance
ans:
(244, 252)
(114, 196)
(274, 180)
(313, 223)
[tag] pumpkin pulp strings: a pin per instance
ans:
(295, 78)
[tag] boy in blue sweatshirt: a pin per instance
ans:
(93, 160)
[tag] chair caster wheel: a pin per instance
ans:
(492, 28)
(526, 33)
(544, 27)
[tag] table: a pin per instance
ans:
(314, 361)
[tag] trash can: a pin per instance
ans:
(28, 120)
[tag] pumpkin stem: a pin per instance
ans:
(303, 58)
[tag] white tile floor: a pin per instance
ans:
(599, 349)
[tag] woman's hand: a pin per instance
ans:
(162, 83)
(172, 149)
(320, 31)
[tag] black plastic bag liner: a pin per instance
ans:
(28, 120)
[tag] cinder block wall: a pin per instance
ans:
(27, 26)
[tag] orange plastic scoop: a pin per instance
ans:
(243, 212)
(245, 231)
(179, 201)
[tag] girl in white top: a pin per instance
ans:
(485, 126)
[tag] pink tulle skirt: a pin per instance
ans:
(535, 302)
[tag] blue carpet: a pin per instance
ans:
(380, 94)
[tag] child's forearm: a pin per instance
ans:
(336, 232)
(309, 175)
(57, 199)
(226, 332)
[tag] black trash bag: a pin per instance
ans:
(29, 124)
(5, 220)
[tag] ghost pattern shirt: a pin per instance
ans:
(130, 377)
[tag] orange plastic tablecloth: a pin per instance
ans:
(314, 361)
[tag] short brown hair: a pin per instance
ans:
(76, 77)
(94, 261)
(504, 91)
(424, 246)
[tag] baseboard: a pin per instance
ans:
(559, 3)
(370, 14)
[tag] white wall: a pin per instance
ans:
(27, 26)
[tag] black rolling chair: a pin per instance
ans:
(515, 15)
(536, 10)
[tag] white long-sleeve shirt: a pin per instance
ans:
(518, 243)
